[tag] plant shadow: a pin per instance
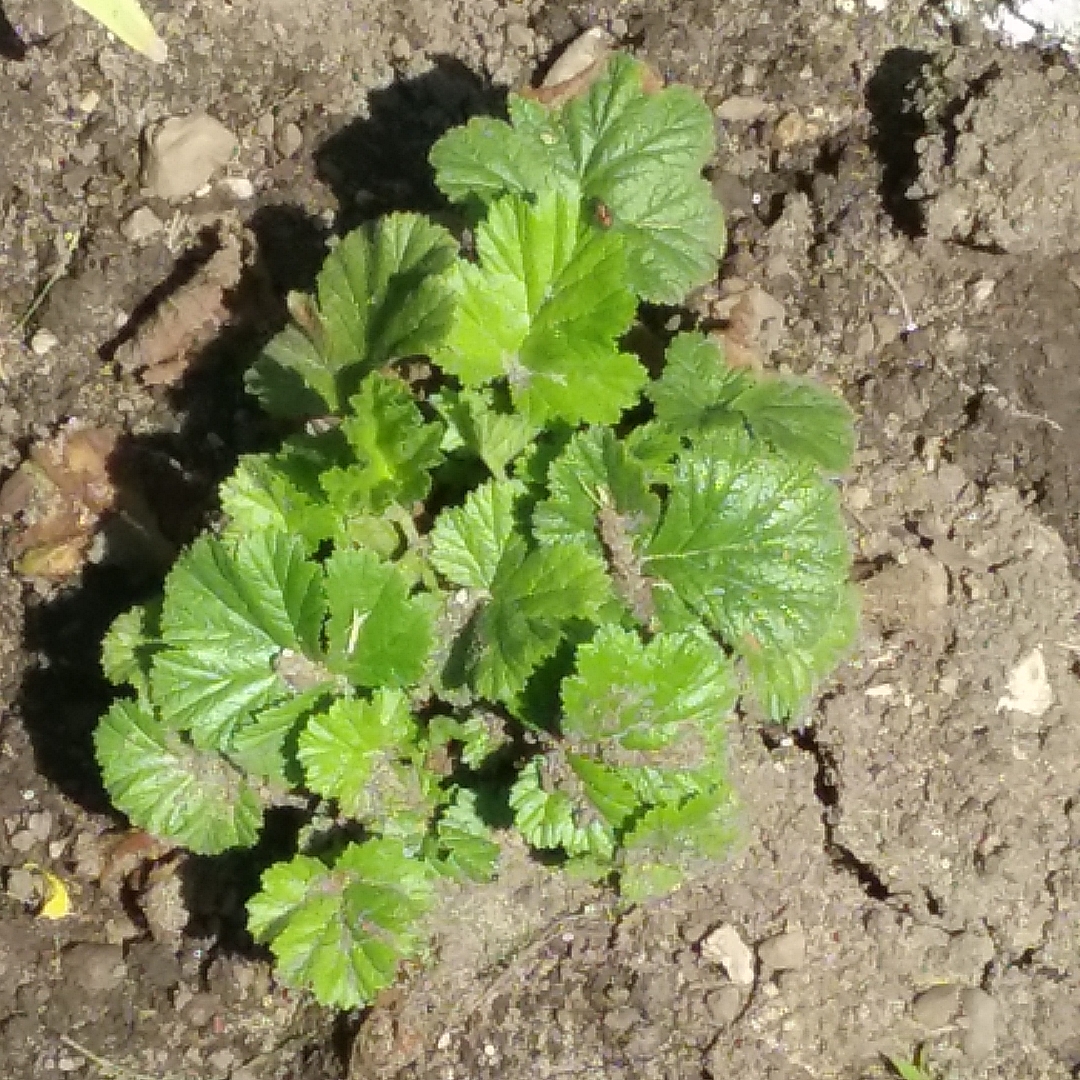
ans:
(373, 165)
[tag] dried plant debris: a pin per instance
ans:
(53, 506)
(164, 346)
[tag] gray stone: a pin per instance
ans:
(783, 952)
(937, 1007)
(182, 153)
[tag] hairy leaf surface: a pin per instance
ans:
(379, 634)
(170, 789)
(544, 309)
(382, 296)
(343, 929)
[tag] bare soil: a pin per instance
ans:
(906, 192)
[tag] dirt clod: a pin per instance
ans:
(182, 153)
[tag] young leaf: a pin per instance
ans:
(642, 697)
(698, 393)
(382, 296)
(544, 309)
(591, 484)
(395, 448)
(353, 751)
(487, 158)
(464, 845)
(533, 597)
(229, 609)
(800, 418)
(493, 436)
(635, 151)
(171, 790)
(552, 819)
(675, 840)
(469, 541)
(378, 634)
(129, 646)
(753, 543)
(641, 153)
(260, 745)
(264, 495)
(254, 594)
(343, 929)
(694, 394)
(783, 679)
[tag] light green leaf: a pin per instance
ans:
(783, 679)
(129, 647)
(229, 609)
(353, 751)
(674, 841)
(486, 159)
(494, 436)
(465, 848)
(629, 698)
(261, 745)
(469, 541)
(210, 692)
(382, 296)
(170, 789)
(550, 818)
(263, 495)
(693, 396)
(127, 20)
(753, 543)
(250, 596)
(342, 931)
(800, 418)
(596, 490)
(636, 151)
(698, 393)
(395, 448)
(544, 308)
(534, 596)
(378, 634)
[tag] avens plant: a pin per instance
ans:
(498, 577)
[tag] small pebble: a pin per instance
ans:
(400, 47)
(239, 187)
(140, 225)
(289, 140)
(783, 952)
(725, 947)
(22, 885)
(937, 1007)
(43, 342)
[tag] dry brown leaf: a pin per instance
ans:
(185, 322)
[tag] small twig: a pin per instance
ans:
(107, 1068)
(910, 325)
(66, 245)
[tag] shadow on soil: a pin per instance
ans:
(373, 165)
(898, 125)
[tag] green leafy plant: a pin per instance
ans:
(512, 583)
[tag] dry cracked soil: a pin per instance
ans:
(903, 199)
